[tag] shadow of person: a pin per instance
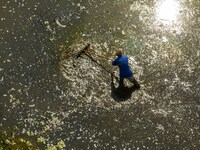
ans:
(121, 93)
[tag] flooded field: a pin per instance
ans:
(57, 100)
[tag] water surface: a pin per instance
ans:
(48, 96)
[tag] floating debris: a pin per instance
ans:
(41, 140)
(61, 144)
(61, 101)
(59, 24)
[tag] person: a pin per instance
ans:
(124, 70)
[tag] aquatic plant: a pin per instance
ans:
(9, 141)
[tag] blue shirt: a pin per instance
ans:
(124, 69)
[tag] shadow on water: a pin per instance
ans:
(121, 93)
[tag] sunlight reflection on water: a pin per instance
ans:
(167, 11)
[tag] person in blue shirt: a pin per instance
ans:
(124, 70)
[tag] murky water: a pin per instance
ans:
(50, 95)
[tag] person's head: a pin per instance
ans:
(118, 52)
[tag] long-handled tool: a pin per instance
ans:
(83, 51)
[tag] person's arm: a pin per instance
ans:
(115, 62)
